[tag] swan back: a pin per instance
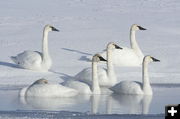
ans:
(81, 87)
(86, 76)
(41, 88)
(127, 87)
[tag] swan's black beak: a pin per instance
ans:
(54, 29)
(155, 60)
(102, 59)
(117, 47)
(141, 28)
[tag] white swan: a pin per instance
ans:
(133, 87)
(41, 88)
(128, 56)
(35, 60)
(84, 88)
(106, 77)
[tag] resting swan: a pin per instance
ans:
(133, 87)
(41, 88)
(128, 56)
(84, 88)
(35, 60)
(106, 77)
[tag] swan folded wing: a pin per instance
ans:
(29, 59)
(128, 87)
(50, 90)
(86, 76)
(124, 57)
(81, 87)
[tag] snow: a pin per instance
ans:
(86, 26)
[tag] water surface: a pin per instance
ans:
(103, 104)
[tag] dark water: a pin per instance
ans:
(102, 104)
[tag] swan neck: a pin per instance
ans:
(145, 80)
(95, 83)
(110, 67)
(45, 51)
(133, 42)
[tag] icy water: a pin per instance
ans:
(102, 104)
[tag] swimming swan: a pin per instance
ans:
(35, 60)
(107, 76)
(133, 87)
(84, 88)
(41, 88)
(128, 56)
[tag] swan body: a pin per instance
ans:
(81, 87)
(34, 60)
(107, 76)
(128, 87)
(128, 56)
(85, 76)
(41, 88)
(84, 88)
(132, 87)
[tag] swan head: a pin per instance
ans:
(112, 45)
(98, 58)
(50, 28)
(41, 81)
(149, 59)
(136, 27)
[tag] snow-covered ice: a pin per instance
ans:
(86, 26)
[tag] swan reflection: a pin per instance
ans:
(93, 104)
(132, 104)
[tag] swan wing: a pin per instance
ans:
(86, 76)
(127, 87)
(50, 90)
(81, 87)
(125, 57)
(28, 59)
